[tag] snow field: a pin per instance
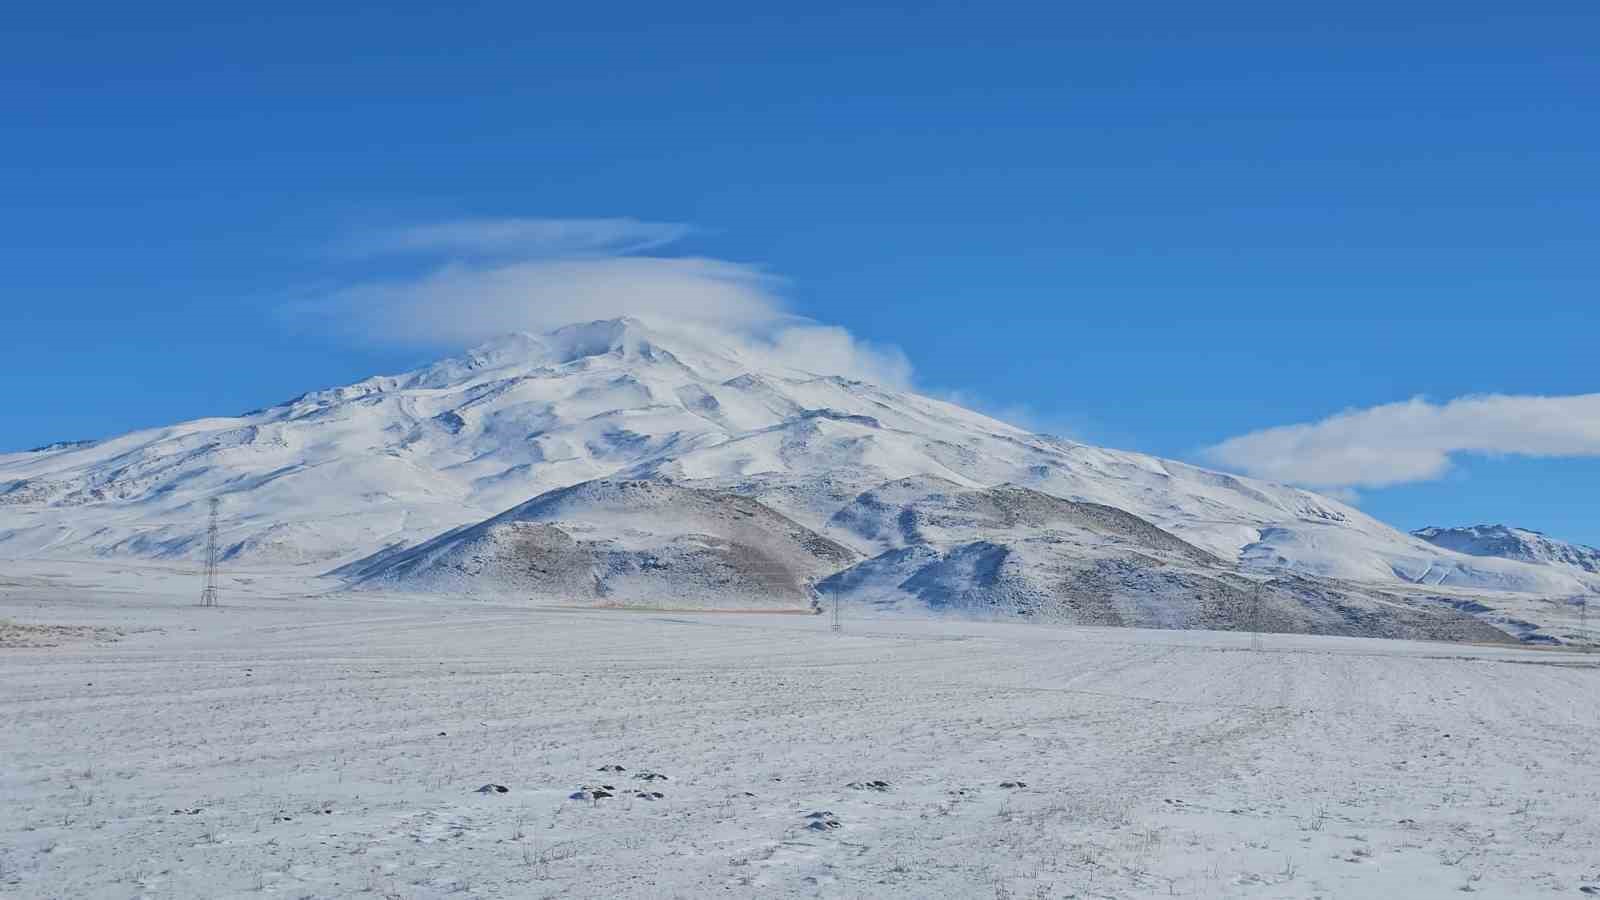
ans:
(295, 745)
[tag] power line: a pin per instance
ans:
(208, 594)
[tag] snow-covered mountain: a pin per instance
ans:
(392, 462)
(1520, 544)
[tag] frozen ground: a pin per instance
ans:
(290, 745)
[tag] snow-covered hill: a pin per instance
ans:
(624, 543)
(1018, 553)
(394, 461)
(1513, 543)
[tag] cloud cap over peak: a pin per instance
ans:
(1414, 440)
(488, 277)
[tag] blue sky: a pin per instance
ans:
(1162, 226)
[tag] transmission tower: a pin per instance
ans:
(1255, 619)
(208, 595)
(838, 617)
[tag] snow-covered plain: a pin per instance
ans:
(296, 743)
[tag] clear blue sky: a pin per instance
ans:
(1154, 225)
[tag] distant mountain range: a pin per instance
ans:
(625, 462)
(1520, 544)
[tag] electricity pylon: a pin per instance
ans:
(1255, 619)
(208, 594)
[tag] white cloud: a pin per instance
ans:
(1415, 440)
(492, 277)
(462, 303)
(832, 350)
(1347, 495)
(480, 238)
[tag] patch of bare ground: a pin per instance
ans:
(17, 634)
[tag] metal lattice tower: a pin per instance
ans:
(838, 617)
(1255, 619)
(208, 595)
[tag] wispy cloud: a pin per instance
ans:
(829, 349)
(488, 277)
(1415, 440)
(516, 237)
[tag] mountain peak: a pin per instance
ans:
(625, 336)
(566, 343)
(626, 341)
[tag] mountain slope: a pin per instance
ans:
(1520, 544)
(1014, 552)
(635, 543)
(393, 461)
(995, 552)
